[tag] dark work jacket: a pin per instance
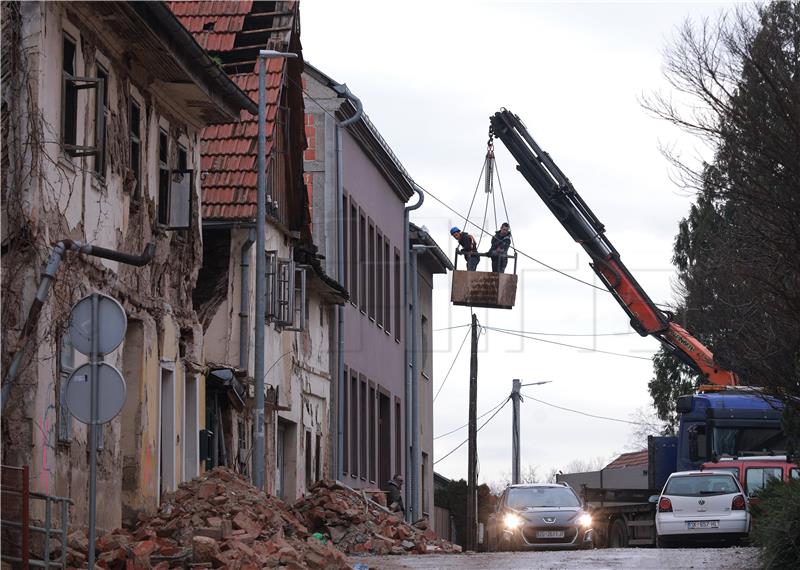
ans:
(465, 242)
(500, 244)
(395, 496)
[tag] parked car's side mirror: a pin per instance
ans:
(653, 499)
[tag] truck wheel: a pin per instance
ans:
(618, 535)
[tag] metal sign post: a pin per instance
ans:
(97, 326)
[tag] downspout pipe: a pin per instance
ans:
(244, 304)
(48, 275)
(408, 362)
(343, 91)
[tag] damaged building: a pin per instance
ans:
(103, 105)
(300, 294)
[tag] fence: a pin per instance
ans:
(16, 521)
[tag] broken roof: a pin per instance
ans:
(234, 32)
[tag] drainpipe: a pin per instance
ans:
(48, 275)
(343, 91)
(409, 500)
(244, 305)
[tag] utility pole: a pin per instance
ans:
(515, 398)
(472, 454)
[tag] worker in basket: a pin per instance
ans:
(501, 241)
(468, 247)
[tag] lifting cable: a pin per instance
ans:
(487, 175)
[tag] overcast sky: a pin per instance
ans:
(430, 74)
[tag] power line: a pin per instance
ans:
(569, 345)
(451, 328)
(452, 364)
(467, 424)
(519, 251)
(583, 413)
(449, 453)
(564, 334)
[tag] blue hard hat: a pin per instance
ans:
(454, 229)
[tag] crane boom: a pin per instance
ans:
(560, 196)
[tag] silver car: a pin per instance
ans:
(539, 516)
(702, 506)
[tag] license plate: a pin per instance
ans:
(550, 534)
(703, 524)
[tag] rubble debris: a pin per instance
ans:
(218, 520)
(358, 525)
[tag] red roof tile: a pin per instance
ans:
(229, 151)
(637, 458)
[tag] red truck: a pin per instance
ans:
(753, 472)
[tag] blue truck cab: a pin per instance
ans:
(733, 421)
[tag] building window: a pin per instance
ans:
(174, 186)
(354, 291)
(353, 424)
(379, 302)
(134, 136)
(398, 269)
(371, 270)
(387, 274)
(346, 244)
(69, 107)
(163, 177)
(373, 428)
(309, 462)
(345, 428)
(101, 113)
(424, 345)
(71, 85)
(362, 261)
(398, 437)
(66, 361)
(318, 458)
(363, 420)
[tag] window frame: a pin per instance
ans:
(101, 121)
(71, 86)
(135, 140)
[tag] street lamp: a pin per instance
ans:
(261, 213)
(515, 399)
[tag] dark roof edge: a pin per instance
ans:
(370, 139)
(307, 255)
(417, 234)
(193, 58)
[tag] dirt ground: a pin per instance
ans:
(639, 558)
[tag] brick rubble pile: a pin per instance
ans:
(358, 525)
(218, 520)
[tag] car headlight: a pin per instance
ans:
(585, 519)
(512, 521)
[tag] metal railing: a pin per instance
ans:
(20, 495)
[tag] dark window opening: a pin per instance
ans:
(371, 272)
(354, 291)
(134, 120)
(101, 112)
(353, 424)
(398, 268)
(363, 421)
(398, 438)
(379, 301)
(345, 428)
(372, 434)
(318, 459)
(163, 177)
(387, 297)
(346, 244)
(309, 463)
(362, 261)
(69, 120)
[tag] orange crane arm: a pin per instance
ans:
(558, 194)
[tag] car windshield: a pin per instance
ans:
(700, 485)
(734, 441)
(525, 497)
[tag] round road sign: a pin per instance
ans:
(111, 391)
(111, 325)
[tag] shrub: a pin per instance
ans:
(777, 525)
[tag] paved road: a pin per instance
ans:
(638, 558)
